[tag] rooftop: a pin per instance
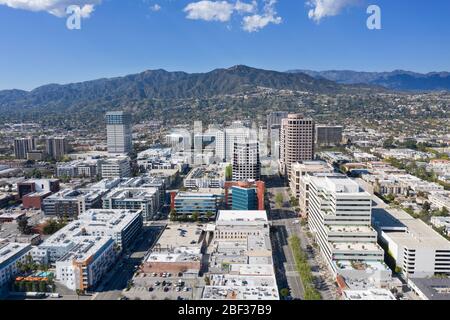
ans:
(407, 231)
(433, 288)
(371, 294)
(10, 249)
(241, 216)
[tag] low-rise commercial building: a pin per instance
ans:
(416, 248)
(240, 264)
(204, 202)
(178, 250)
(250, 195)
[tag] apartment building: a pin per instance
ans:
(22, 146)
(142, 199)
(118, 167)
(56, 147)
(440, 200)
(10, 255)
(329, 135)
(72, 203)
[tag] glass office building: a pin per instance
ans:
(244, 199)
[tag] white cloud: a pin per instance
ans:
(222, 11)
(246, 7)
(327, 8)
(257, 22)
(209, 10)
(156, 7)
(55, 7)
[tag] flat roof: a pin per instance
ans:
(355, 246)
(10, 249)
(407, 231)
(176, 236)
(433, 288)
(371, 294)
(241, 216)
(339, 184)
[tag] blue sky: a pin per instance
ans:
(128, 36)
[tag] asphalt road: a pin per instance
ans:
(282, 222)
(284, 226)
(117, 280)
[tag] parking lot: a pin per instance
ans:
(163, 286)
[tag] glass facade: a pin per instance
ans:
(244, 199)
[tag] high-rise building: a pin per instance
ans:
(299, 180)
(56, 147)
(275, 142)
(246, 161)
(275, 118)
(273, 131)
(340, 219)
(226, 138)
(119, 132)
(296, 141)
(329, 135)
(22, 146)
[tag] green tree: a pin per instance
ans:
(195, 216)
(173, 215)
(284, 292)
(23, 226)
(279, 199)
(229, 173)
(42, 286)
(209, 215)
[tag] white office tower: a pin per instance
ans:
(246, 161)
(273, 123)
(300, 177)
(296, 141)
(226, 138)
(119, 132)
(275, 142)
(22, 146)
(340, 219)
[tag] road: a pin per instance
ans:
(284, 226)
(117, 279)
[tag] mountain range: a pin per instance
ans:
(396, 80)
(157, 89)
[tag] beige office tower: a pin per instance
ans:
(296, 141)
